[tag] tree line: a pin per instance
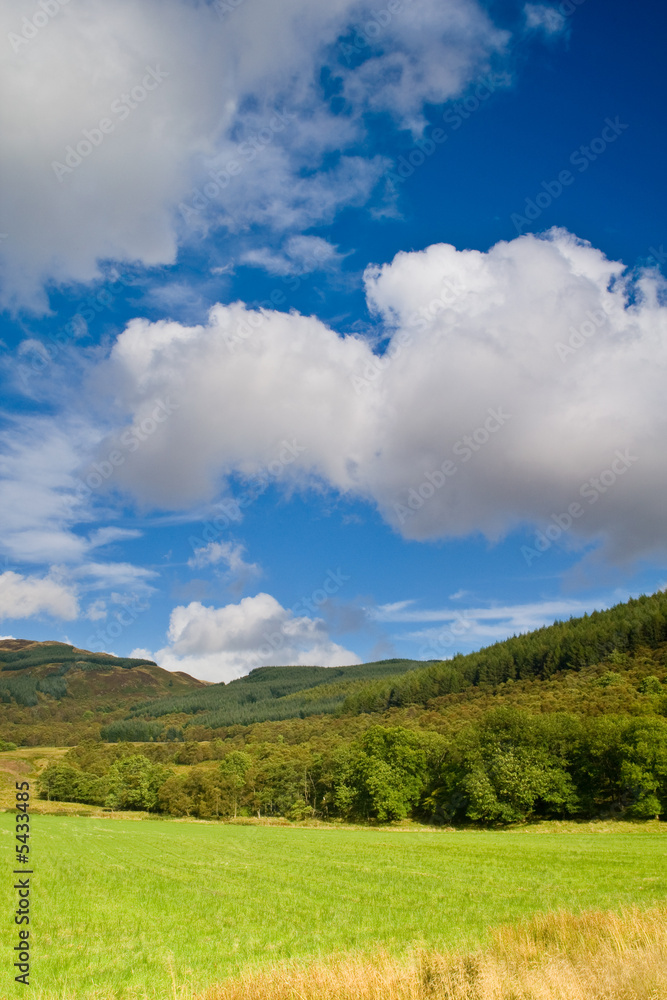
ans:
(507, 766)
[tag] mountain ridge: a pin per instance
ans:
(54, 693)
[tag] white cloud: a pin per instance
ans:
(472, 335)
(38, 501)
(229, 553)
(109, 535)
(42, 503)
(219, 644)
(519, 617)
(300, 255)
(96, 611)
(100, 576)
(396, 611)
(157, 95)
(237, 573)
(27, 596)
(469, 628)
(542, 17)
(433, 47)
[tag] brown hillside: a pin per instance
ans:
(72, 692)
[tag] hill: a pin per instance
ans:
(55, 694)
(566, 721)
(52, 693)
(274, 693)
(594, 660)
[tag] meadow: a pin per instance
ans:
(146, 908)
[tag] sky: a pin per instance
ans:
(330, 332)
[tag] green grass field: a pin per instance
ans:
(118, 905)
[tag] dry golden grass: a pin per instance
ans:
(554, 956)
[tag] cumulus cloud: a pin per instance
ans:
(517, 383)
(219, 644)
(133, 124)
(27, 596)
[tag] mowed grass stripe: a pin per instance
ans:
(118, 902)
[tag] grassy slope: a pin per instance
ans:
(210, 899)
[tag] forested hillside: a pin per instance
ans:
(274, 693)
(55, 694)
(52, 693)
(567, 721)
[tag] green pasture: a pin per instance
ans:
(119, 907)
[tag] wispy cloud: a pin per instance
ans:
(520, 616)
(300, 255)
(545, 18)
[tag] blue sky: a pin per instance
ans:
(329, 334)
